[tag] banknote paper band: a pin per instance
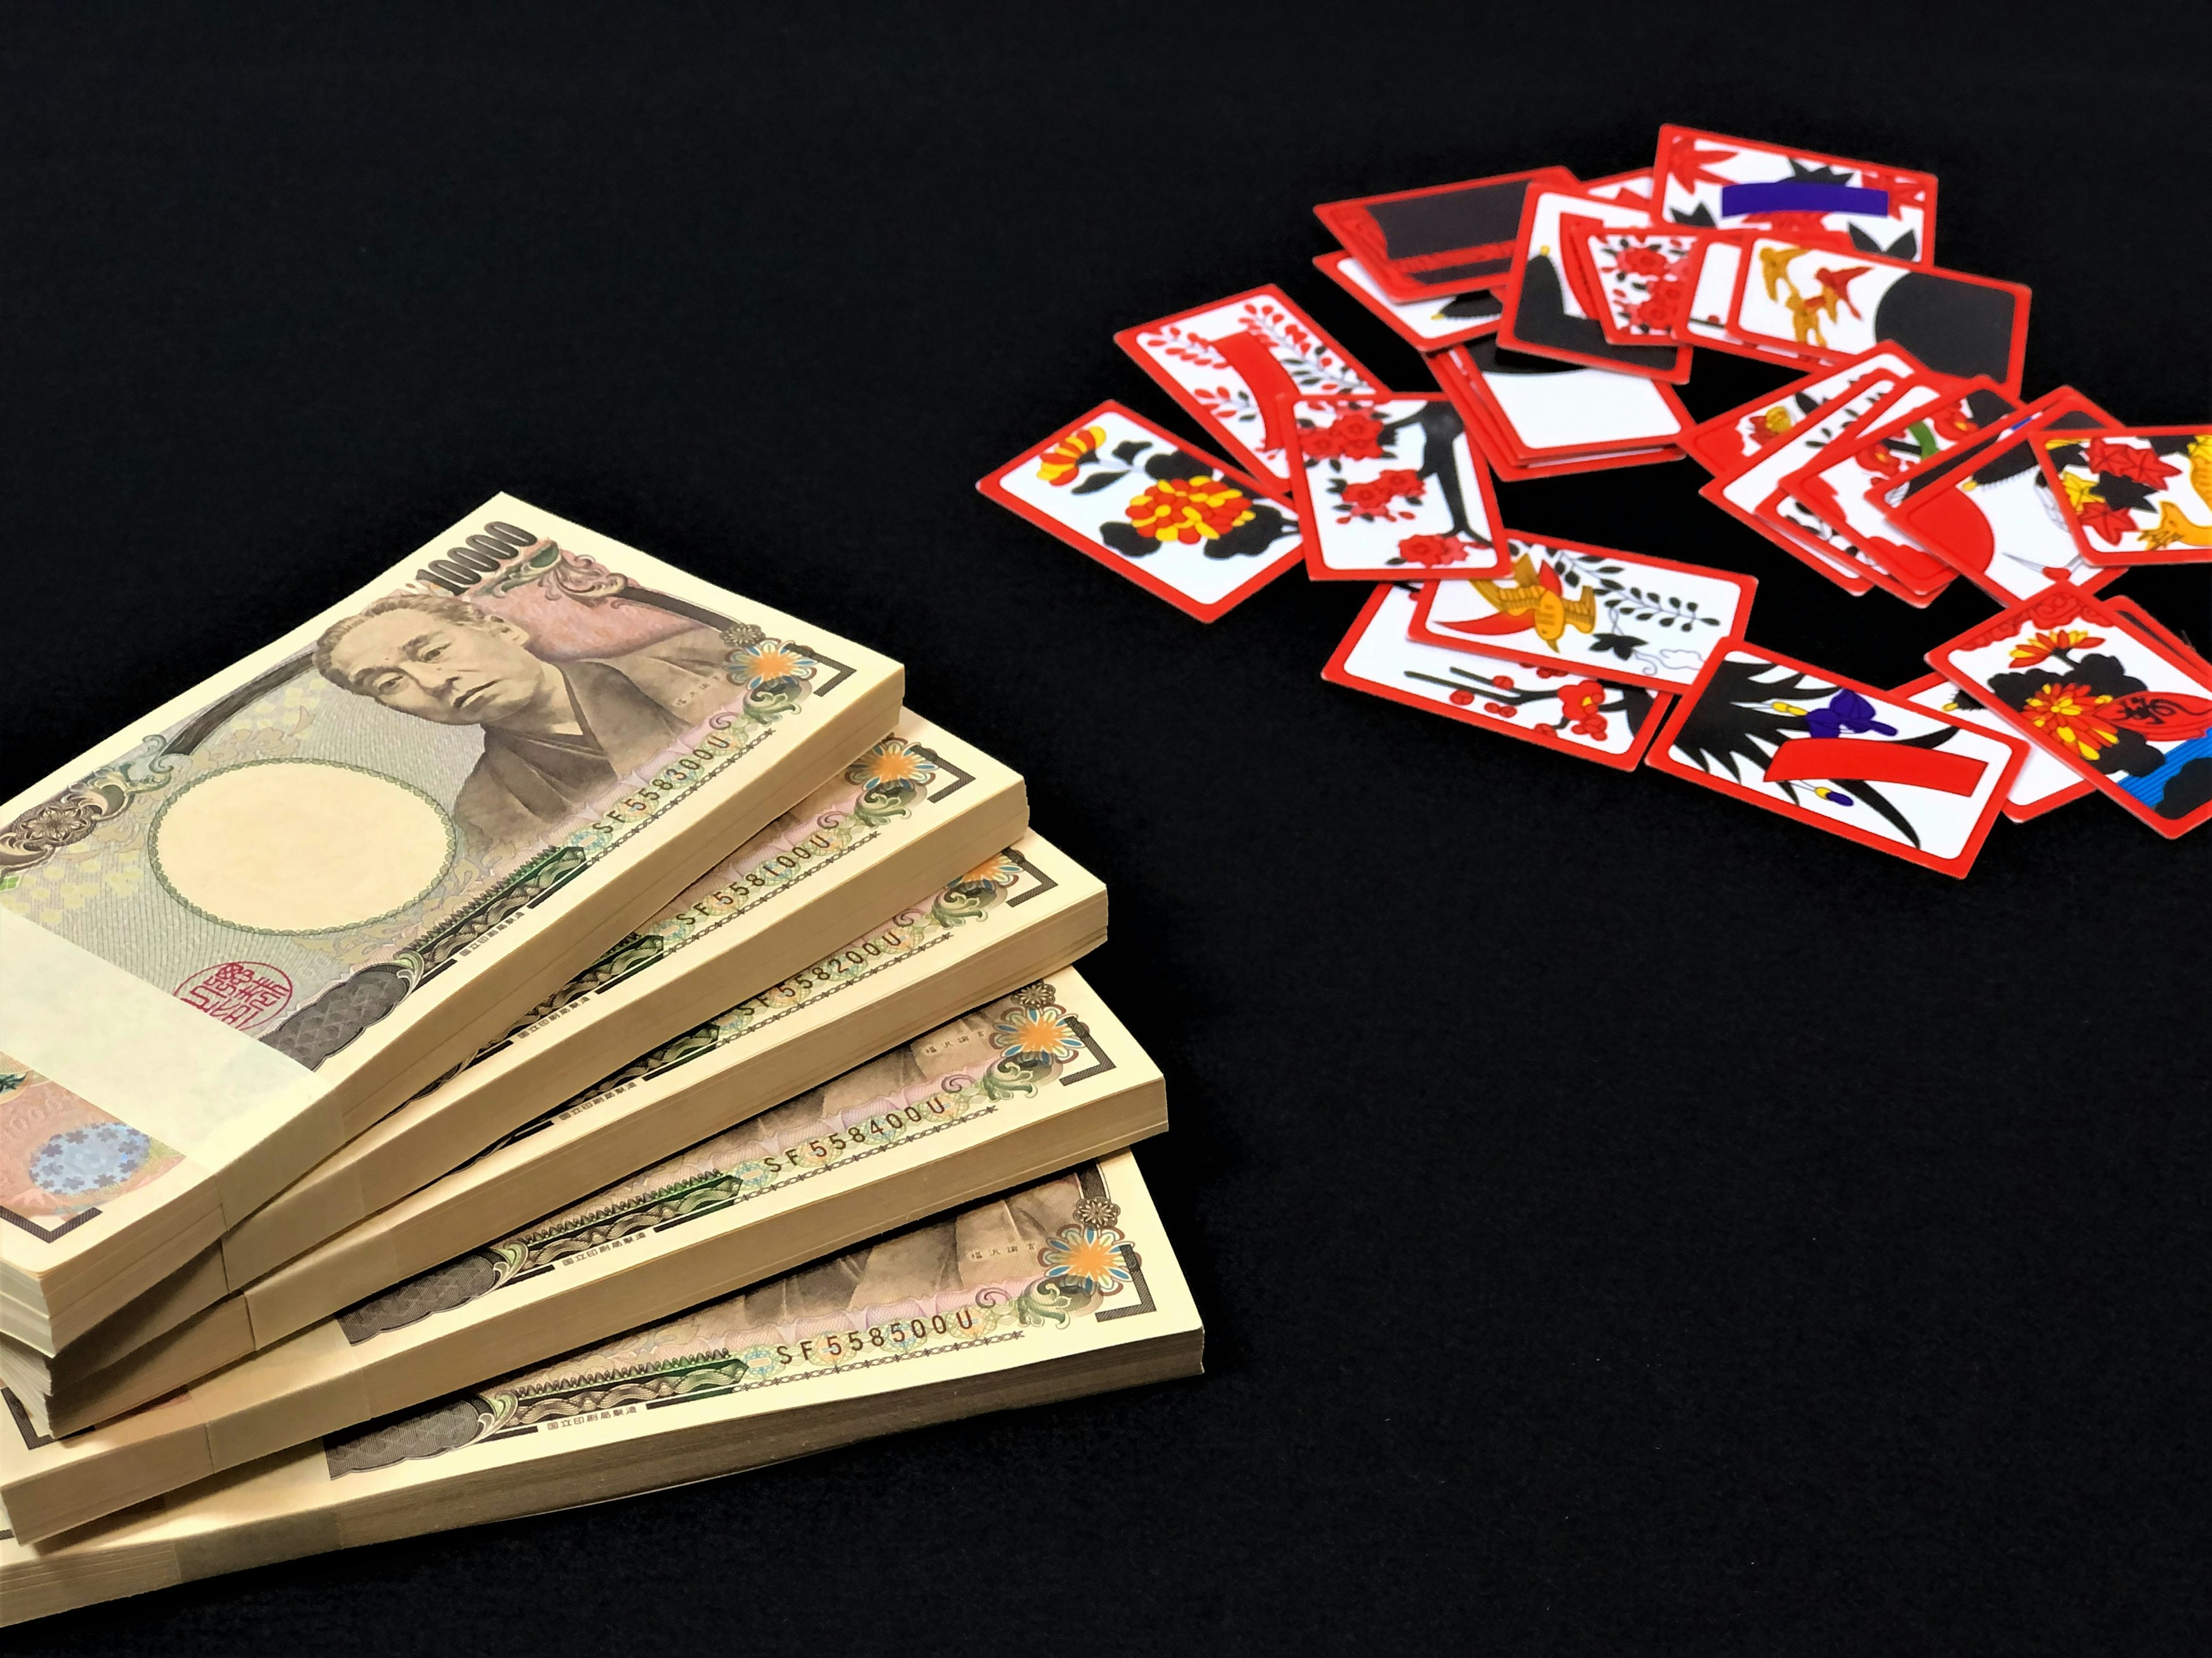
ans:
(158, 1064)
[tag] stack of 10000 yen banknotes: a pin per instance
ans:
(542, 989)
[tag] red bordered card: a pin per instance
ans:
(1728, 443)
(1985, 508)
(1843, 756)
(1181, 524)
(1829, 307)
(1544, 315)
(1440, 239)
(1836, 485)
(2043, 783)
(1627, 616)
(2100, 685)
(1483, 426)
(1597, 720)
(2136, 494)
(1637, 280)
(1391, 489)
(1548, 410)
(1710, 178)
(1227, 363)
(1426, 324)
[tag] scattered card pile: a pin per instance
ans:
(546, 1029)
(1556, 318)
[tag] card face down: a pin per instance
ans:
(1599, 720)
(2043, 782)
(2138, 495)
(1629, 617)
(2103, 687)
(1548, 410)
(1176, 522)
(1426, 324)
(1391, 489)
(1230, 364)
(1708, 179)
(1543, 314)
(1830, 305)
(1857, 762)
(1727, 443)
(1987, 509)
(1440, 239)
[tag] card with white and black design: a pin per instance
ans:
(1546, 316)
(2102, 686)
(1829, 306)
(1179, 523)
(2141, 494)
(1430, 324)
(1439, 238)
(1552, 410)
(1628, 616)
(1857, 761)
(1987, 507)
(1598, 718)
(1728, 442)
(1391, 488)
(1229, 364)
(2044, 783)
(1835, 486)
(1709, 179)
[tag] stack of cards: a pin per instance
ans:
(1555, 317)
(544, 950)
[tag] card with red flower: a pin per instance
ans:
(1426, 324)
(1642, 279)
(1987, 509)
(1631, 617)
(1599, 720)
(1913, 782)
(1391, 489)
(1544, 410)
(2103, 687)
(1708, 179)
(2140, 494)
(1544, 313)
(1176, 521)
(1728, 442)
(1485, 428)
(1828, 306)
(1439, 238)
(1228, 364)
(1741, 494)
(2043, 784)
(1835, 486)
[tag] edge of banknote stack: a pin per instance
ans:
(544, 991)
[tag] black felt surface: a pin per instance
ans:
(1626, 1221)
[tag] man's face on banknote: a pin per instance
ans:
(476, 673)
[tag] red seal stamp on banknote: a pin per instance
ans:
(245, 995)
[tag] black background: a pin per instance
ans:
(1626, 1221)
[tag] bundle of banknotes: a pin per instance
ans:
(546, 1029)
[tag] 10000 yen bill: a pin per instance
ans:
(1065, 1288)
(235, 935)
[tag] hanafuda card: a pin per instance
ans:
(1178, 523)
(1857, 761)
(1642, 620)
(1391, 488)
(1599, 718)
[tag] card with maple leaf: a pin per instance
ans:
(2136, 494)
(1708, 180)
